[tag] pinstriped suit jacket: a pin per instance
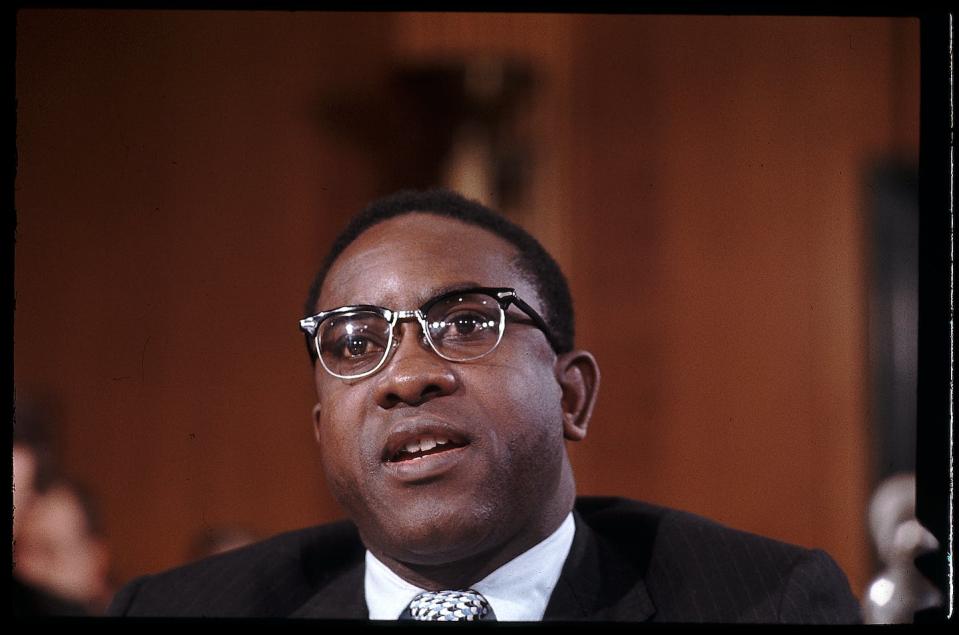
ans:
(629, 561)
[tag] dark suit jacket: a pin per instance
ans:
(629, 561)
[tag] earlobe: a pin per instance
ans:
(316, 421)
(578, 375)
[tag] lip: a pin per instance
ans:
(428, 466)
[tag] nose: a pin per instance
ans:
(415, 374)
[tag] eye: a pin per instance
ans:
(466, 323)
(354, 337)
(464, 326)
(356, 345)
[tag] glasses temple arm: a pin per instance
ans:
(540, 322)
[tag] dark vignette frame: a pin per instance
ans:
(935, 408)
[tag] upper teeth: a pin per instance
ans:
(425, 443)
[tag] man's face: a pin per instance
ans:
(502, 480)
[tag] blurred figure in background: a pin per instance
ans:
(32, 459)
(26, 464)
(61, 549)
(30, 472)
(60, 559)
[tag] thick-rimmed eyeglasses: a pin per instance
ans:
(460, 326)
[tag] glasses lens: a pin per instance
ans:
(354, 343)
(464, 327)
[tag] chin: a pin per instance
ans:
(440, 534)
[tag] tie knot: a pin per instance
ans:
(450, 606)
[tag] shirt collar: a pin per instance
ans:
(517, 591)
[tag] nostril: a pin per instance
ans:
(390, 401)
(430, 391)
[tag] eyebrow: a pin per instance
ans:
(448, 288)
(424, 296)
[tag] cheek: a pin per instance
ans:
(528, 384)
(341, 415)
(527, 405)
(341, 446)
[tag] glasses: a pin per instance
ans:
(460, 326)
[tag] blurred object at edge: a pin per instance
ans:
(900, 590)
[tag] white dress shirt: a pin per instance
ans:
(517, 591)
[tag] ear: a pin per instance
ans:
(578, 375)
(316, 421)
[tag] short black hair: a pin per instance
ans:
(533, 260)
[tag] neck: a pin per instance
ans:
(465, 572)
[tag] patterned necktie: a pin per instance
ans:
(449, 606)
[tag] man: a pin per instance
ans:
(448, 385)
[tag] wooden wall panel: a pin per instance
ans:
(718, 199)
(175, 193)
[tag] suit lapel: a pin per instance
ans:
(340, 597)
(598, 582)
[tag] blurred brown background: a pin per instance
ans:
(181, 174)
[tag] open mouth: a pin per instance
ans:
(423, 445)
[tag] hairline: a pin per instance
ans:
(515, 260)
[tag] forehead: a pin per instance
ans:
(403, 261)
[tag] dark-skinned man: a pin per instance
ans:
(448, 385)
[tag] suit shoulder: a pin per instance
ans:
(265, 579)
(667, 531)
(697, 569)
